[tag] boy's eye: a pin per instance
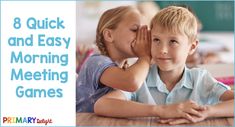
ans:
(173, 42)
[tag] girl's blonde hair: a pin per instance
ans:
(109, 19)
(177, 19)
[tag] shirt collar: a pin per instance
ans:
(154, 80)
(186, 79)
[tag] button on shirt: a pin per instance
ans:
(196, 84)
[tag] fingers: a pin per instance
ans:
(141, 47)
(188, 117)
(194, 112)
(193, 119)
(163, 121)
(174, 121)
(193, 108)
(142, 33)
(190, 112)
(200, 108)
(138, 34)
(139, 37)
(179, 121)
(196, 106)
(145, 33)
(149, 37)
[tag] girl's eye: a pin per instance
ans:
(134, 30)
(156, 40)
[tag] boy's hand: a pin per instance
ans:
(142, 46)
(185, 110)
(203, 116)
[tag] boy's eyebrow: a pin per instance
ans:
(173, 37)
(154, 35)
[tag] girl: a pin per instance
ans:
(116, 39)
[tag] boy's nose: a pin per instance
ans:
(164, 50)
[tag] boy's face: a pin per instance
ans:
(170, 50)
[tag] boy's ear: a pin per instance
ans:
(193, 47)
(108, 35)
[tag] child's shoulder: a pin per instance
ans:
(96, 62)
(98, 57)
(198, 73)
(197, 70)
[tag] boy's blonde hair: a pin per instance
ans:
(177, 19)
(110, 19)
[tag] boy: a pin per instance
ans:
(174, 37)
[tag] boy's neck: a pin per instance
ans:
(171, 78)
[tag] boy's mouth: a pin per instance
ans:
(164, 59)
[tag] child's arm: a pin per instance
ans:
(223, 109)
(129, 79)
(133, 77)
(114, 104)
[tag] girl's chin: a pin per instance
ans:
(131, 55)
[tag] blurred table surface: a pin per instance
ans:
(90, 119)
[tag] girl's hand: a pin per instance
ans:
(185, 110)
(204, 115)
(142, 46)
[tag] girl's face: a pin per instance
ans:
(125, 33)
(169, 50)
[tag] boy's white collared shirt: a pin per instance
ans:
(196, 84)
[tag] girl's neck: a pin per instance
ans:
(171, 78)
(115, 56)
(117, 60)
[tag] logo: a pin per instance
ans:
(27, 120)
